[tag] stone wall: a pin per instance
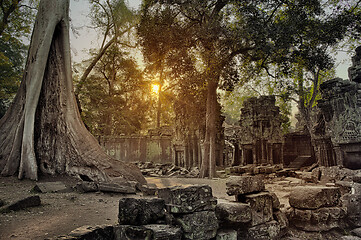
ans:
(338, 129)
(156, 149)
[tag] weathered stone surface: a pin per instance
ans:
(51, 187)
(281, 218)
(350, 238)
(261, 207)
(101, 232)
(87, 187)
(313, 197)
(353, 204)
(354, 72)
(226, 235)
(333, 174)
(266, 231)
(140, 211)
(199, 225)
(148, 190)
(357, 177)
(164, 232)
(188, 199)
(238, 185)
(2, 203)
(356, 232)
(233, 213)
(275, 201)
(32, 201)
(127, 232)
(117, 188)
(319, 220)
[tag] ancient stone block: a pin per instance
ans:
(87, 187)
(101, 232)
(117, 188)
(353, 204)
(313, 197)
(199, 225)
(261, 207)
(357, 177)
(226, 235)
(148, 190)
(2, 203)
(188, 199)
(164, 232)
(233, 213)
(140, 211)
(350, 238)
(266, 231)
(239, 185)
(356, 232)
(319, 220)
(275, 201)
(281, 218)
(48, 187)
(122, 232)
(32, 201)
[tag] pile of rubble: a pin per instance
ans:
(150, 169)
(253, 169)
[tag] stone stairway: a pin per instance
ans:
(300, 161)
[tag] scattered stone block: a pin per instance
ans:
(313, 197)
(356, 232)
(86, 187)
(199, 225)
(238, 185)
(188, 199)
(117, 188)
(261, 207)
(233, 213)
(127, 232)
(266, 231)
(226, 235)
(32, 201)
(51, 187)
(140, 211)
(164, 232)
(101, 232)
(353, 204)
(148, 189)
(319, 220)
(357, 177)
(275, 201)
(281, 218)
(350, 238)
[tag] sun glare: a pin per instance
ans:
(155, 88)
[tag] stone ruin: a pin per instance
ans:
(192, 213)
(338, 129)
(260, 136)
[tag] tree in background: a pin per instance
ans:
(16, 21)
(42, 131)
(218, 33)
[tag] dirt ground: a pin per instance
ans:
(61, 213)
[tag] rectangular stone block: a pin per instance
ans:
(233, 213)
(140, 211)
(188, 199)
(313, 197)
(164, 232)
(261, 207)
(266, 231)
(239, 185)
(226, 235)
(199, 225)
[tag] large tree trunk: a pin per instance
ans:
(208, 166)
(42, 130)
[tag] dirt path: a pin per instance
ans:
(61, 213)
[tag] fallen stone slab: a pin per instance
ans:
(188, 199)
(32, 201)
(356, 232)
(117, 188)
(353, 204)
(99, 232)
(199, 225)
(318, 220)
(164, 232)
(233, 213)
(85, 187)
(313, 197)
(281, 218)
(266, 231)
(226, 235)
(238, 185)
(128, 232)
(51, 187)
(261, 207)
(148, 189)
(134, 211)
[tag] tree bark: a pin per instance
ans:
(208, 166)
(42, 131)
